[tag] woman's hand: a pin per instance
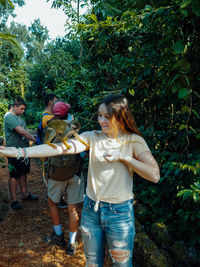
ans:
(111, 156)
(145, 165)
(8, 151)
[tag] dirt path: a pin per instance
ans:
(21, 232)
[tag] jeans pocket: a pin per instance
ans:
(123, 208)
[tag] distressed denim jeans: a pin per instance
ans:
(112, 224)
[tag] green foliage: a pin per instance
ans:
(4, 2)
(8, 37)
(5, 5)
(39, 31)
(193, 193)
(12, 73)
(151, 53)
(3, 110)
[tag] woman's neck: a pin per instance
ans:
(113, 135)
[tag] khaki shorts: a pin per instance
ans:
(73, 189)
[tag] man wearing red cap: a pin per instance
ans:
(74, 189)
(49, 101)
(61, 109)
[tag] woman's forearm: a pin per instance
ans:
(42, 151)
(30, 152)
(147, 171)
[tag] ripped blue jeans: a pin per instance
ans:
(112, 224)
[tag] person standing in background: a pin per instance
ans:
(49, 101)
(73, 188)
(17, 135)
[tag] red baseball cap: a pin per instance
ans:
(61, 109)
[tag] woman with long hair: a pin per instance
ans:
(115, 153)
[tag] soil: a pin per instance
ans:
(22, 232)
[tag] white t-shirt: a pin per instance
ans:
(111, 182)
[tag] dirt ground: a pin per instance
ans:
(21, 232)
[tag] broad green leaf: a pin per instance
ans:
(187, 194)
(179, 47)
(182, 126)
(148, 8)
(131, 92)
(183, 92)
(179, 194)
(93, 17)
(193, 186)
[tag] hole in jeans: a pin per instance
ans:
(120, 255)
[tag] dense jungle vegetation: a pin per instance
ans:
(145, 49)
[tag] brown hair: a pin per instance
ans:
(118, 107)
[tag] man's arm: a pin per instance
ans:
(24, 133)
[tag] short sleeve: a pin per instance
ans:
(45, 119)
(86, 137)
(139, 145)
(11, 122)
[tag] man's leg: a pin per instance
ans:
(75, 194)
(55, 191)
(54, 211)
(73, 228)
(13, 182)
(73, 220)
(23, 184)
